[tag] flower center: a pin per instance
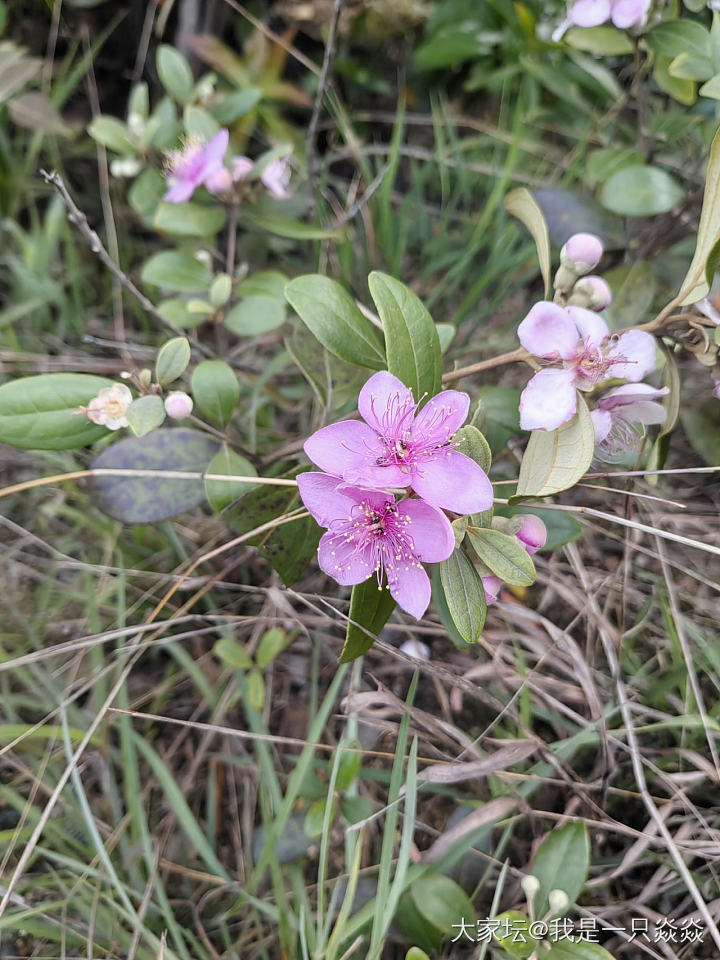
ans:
(380, 539)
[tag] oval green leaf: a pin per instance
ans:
(556, 459)
(464, 595)
(504, 555)
(189, 219)
(41, 413)
(255, 315)
(521, 204)
(215, 390)
(370, 610)
(145, 414)
(176, 270)
(175, 73)
(172, 360)
(561, 863)
(227, 463)
(641, 191)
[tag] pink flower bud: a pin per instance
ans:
(219, 181)
(241, 167)
(582, 253)
(592, 293)
(532, 533)
(178, 405)
(716, 390)
(491, 586)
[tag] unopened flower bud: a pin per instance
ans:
(220, 181)
(592, 293)
(532, 533)
(581, 253)
(145, 378)
(204, 257)
(241, 167)
(136, 125)
(558, 901)
(416, 649)
(530, 886)
(124, 167)
(716, 390)
(178, 405)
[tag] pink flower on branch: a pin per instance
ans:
(276, 178)
(622, 415)
(400, 445)
(580, 340)
(368, 534)
(194, 166)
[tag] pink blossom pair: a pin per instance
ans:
(623, 14)
(202, 164)
(397, 444)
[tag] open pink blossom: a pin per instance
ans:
(624, 14)
(401, 446)
(193, 166)
(532, 535)
(622, 415)
(276, 177)
(580, 341)
(368, 534)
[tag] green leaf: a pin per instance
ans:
(641, 191)
(146, 193)
(215, 390)
(255, 316)
(323, 371)
(287, 227)
(330, 313)
(151, 499)
(674, 37)
(255, 690)
(370, 610)
(111, 133)
(176, 270)
(145, 414)
(315, 817)
(40, 413)
(236, 105)
(265, 283)
(172, 360)
(504, 555)
(199, 124)
(175, 73)
(35, 111)
(233, 654)
(355, 809)
(711, 88)
(472, 443)
(577, 950)
(442, 902)
(604, 41)
(220, 290)
(696, 285)
(189, 219)
(464, 595)
(519, 942)
(684, 91)
(415, 953)
(411, 340)
(348, 765)
(556, 459)
(221, 493)
(561, 863)
(272, 643)
(521, 204)
(499, 419)
(291, 547)
(688, 67)
(178, 313)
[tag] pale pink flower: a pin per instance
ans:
(193, 166)
(241, 167)
(276, 177)
(369, 534)
(624, 14)
(178, 405)
(580, 341)
(622, 415)
(532, 535)
(400, 445)
(109, 407)
(582, 252)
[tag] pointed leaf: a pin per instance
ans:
(370, 609)
(521, 204)
(464, 594)
(504, 555)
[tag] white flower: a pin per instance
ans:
(110, 406)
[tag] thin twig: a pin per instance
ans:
(78, 219)
(320, 97)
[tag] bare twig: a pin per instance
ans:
(78, 219)
(320, 96)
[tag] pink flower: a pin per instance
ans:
(622, 415)
(370, 534)
(532, 534)
(276, 177)
(582, 252)
(592, 293)
(193, 166)
(624, 14)
(399, 446)
(109, 407)
(581, 341)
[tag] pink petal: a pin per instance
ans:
(629, 13)
(547, 331)
(321, 495)
(343, 447)
(491, 586)
(532, 533)
(377, 477)
(602, 421)
(629, 393)
(592, 328)
(180, 191)
(214, 152)
(646, 412)
(635, 353)
(548, 401)
(452, 481)
(241, 167)
(338, 559)
(411, 589)
(441, 417)
(590, 13)
(430, 530)
(383, 401)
